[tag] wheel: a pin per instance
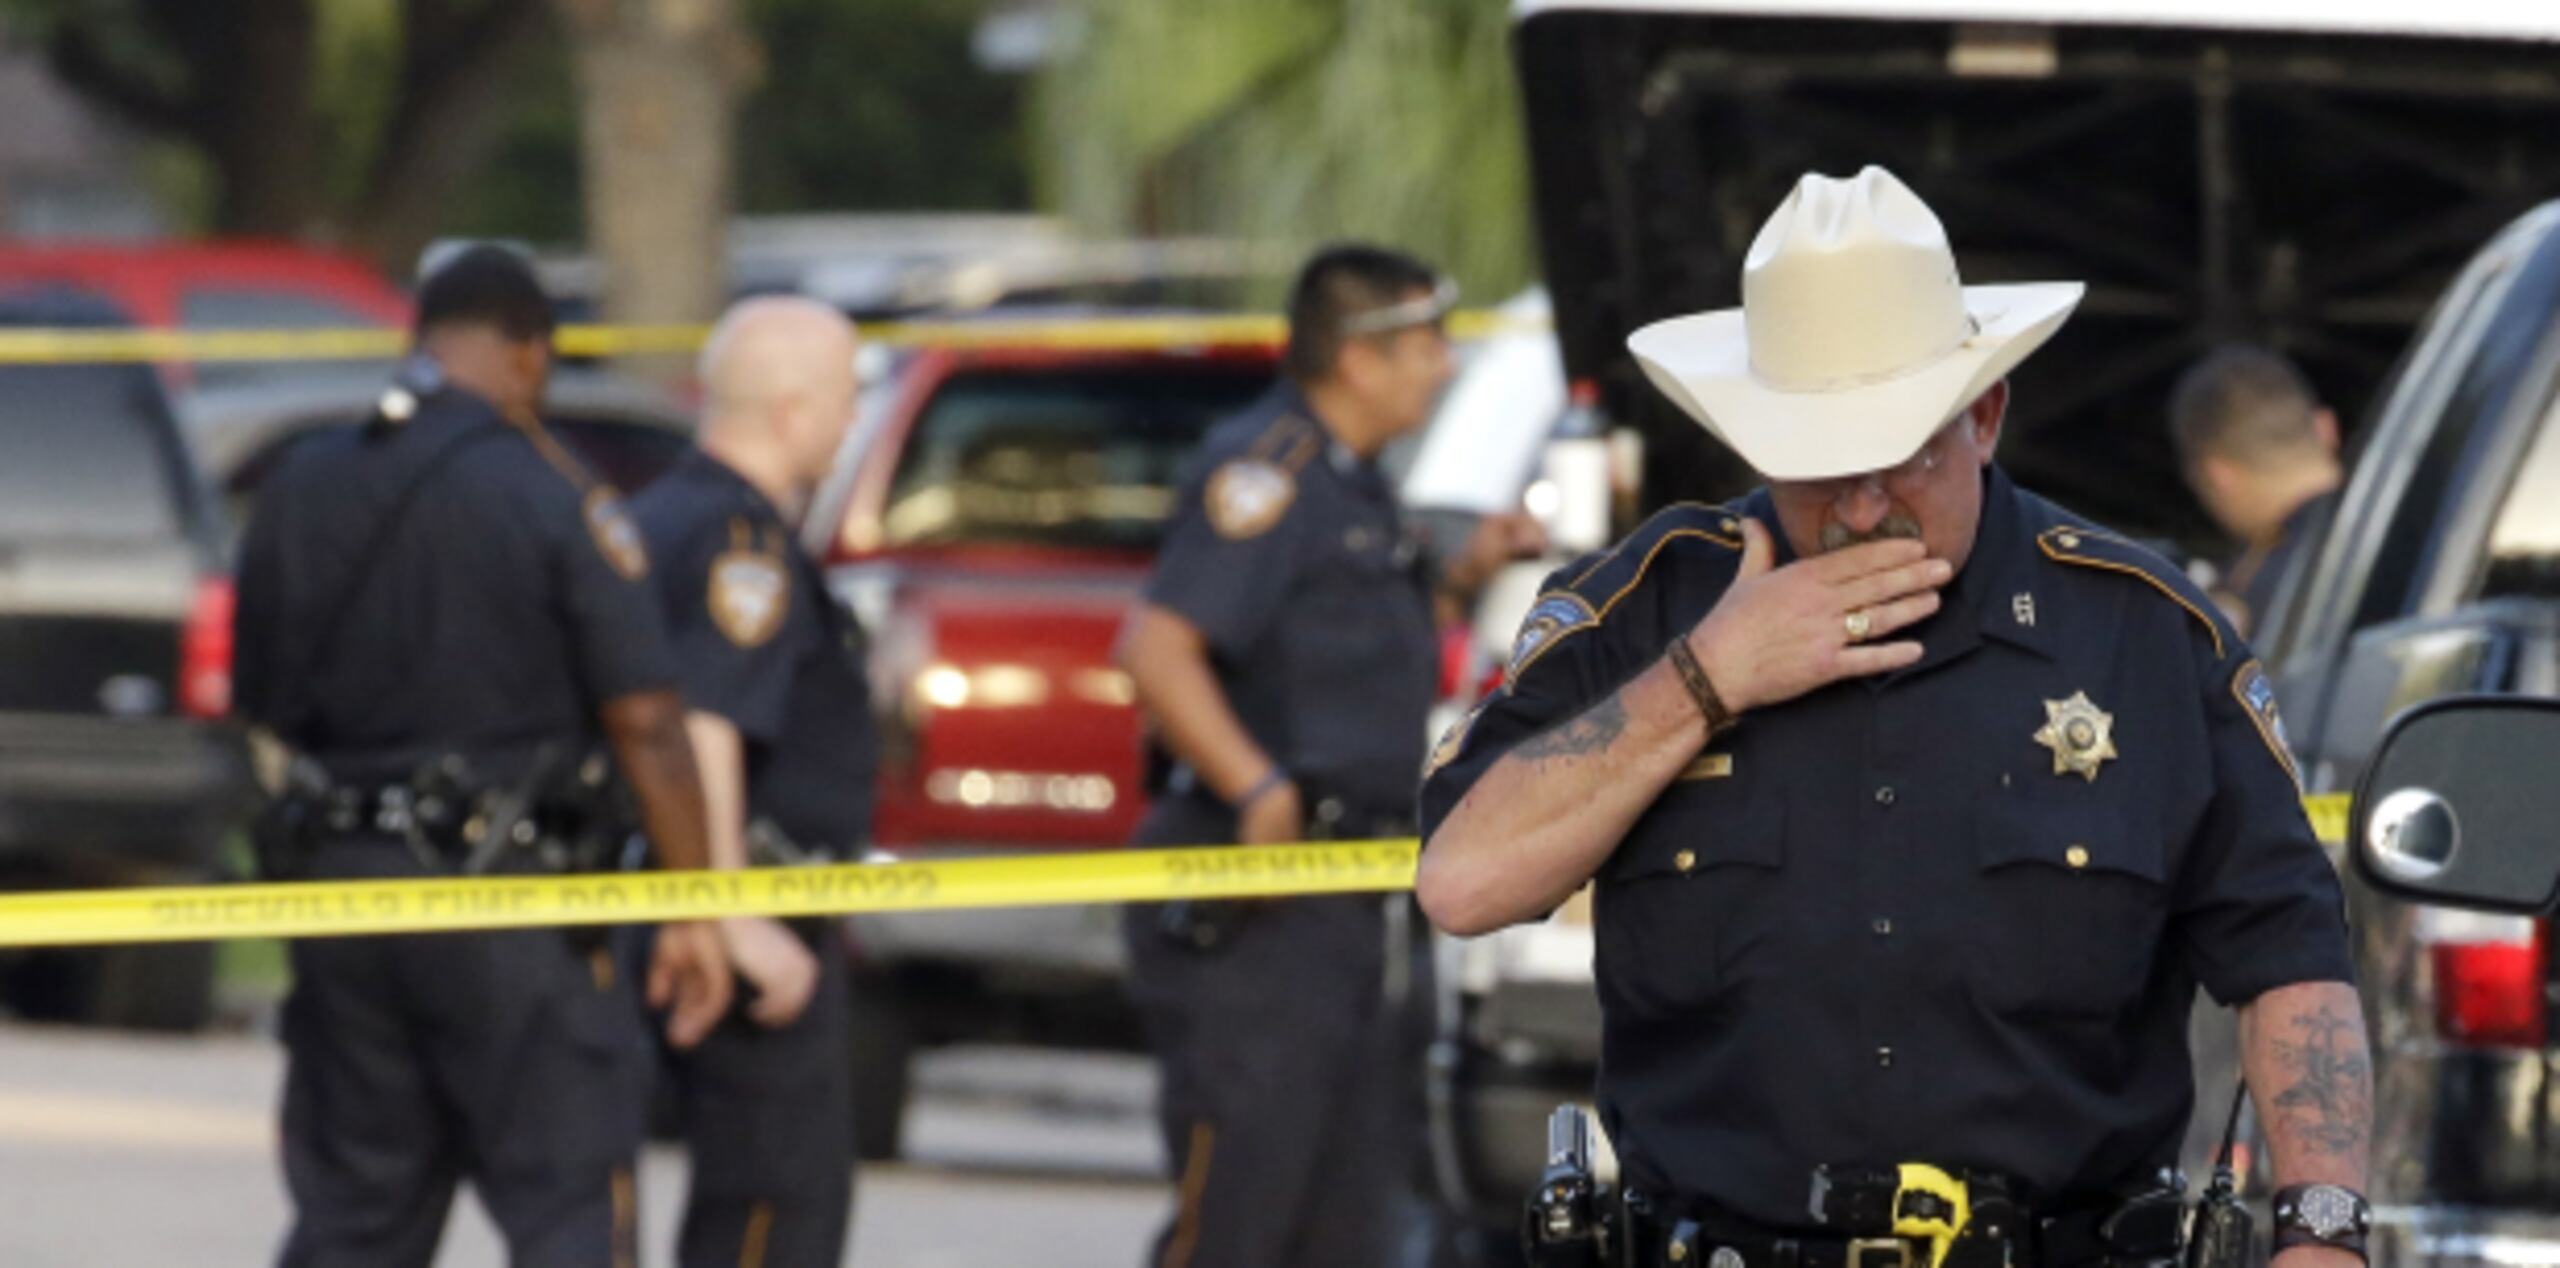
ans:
(165, 986)
(162, 986)
(883, 1050)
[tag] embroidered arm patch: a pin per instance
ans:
(1554, 616)
(1246, 497)
(2257, 695)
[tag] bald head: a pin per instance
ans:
(778, 384)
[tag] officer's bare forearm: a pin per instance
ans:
(2311, 1076)
(721, 757)
(1168, 662)
(646, 730)
(1550, 811)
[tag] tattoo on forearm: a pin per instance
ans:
(1597, 728)
(2329, 1106)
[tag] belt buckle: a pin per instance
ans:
(1889, 1252)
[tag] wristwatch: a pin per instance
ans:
(2322, 1214)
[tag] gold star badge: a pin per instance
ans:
(2080, 735)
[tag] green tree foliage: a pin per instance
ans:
(380, 123)
(346, 120)
(876, 105)
(1294, 121)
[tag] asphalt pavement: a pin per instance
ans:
(120, 1150)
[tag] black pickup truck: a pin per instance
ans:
(2437, 573)
(2315, 180)
(116, 767)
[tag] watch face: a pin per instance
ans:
(2328, 1210)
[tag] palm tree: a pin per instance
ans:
(1293, 122)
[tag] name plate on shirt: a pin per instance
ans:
(1709, 766)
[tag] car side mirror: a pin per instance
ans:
(2461, 805)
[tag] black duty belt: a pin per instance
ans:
(399, 810)
(2142, 1229)
(1334, 818)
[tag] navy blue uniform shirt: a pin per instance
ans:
(1287, 553)
(1898, 919)
(761, 644)
(509, 603)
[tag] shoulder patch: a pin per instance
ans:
(749, 592)
(616, 537)
(1453, 741)
(2258, 696)
(2090, 548)
(1553, 616)
(1246, 497)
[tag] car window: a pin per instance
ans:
(2362, 569)
(2524, 541)
(87, 452)
(221, 307)
(624, 453)
(1074, 457)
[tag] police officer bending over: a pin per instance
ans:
(781, 723)
(1286, 657)
(1915, 807)
(440, 611)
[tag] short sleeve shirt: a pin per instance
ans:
(1287, 552)
(761, 643)
(1956, 914)
(507, 603)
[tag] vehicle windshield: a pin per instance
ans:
(85, 454)
(1078, 457)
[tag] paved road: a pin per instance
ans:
(119, 1150)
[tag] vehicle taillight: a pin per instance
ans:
(2492, 984)
(204, 652)
(1456, 650)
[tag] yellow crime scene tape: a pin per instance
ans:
(54, 346)
(307, 909)
(310, 909)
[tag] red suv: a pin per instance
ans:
(224, 285)
(991, 529)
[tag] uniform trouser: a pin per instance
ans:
(1290, 1098)
(511, 1057)
(768, 1124)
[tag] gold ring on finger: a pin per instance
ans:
(1859, 625)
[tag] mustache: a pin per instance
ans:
(1839, 536)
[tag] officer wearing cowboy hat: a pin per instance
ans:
(1915, 807)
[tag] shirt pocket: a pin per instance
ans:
(1363, 606)
(2073, 902)
(1689, 902)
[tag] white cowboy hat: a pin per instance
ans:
(1855, 341)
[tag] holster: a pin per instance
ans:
(1204, 925)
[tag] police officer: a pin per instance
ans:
(781, 724)
(440, 611)
(2261, 453)
(1286, 659)
(1915, 808)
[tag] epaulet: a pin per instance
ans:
(558, 455)
(614, 533)
(2084, 546)
(1592, 587)
(1290, 441)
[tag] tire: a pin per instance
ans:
(165, 986)
(883, 1052)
